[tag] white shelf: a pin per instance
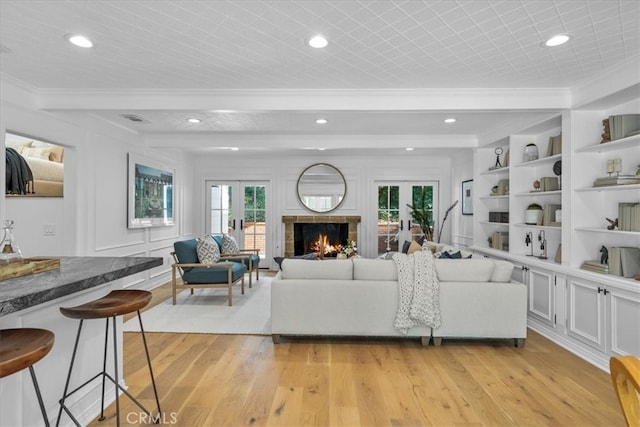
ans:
(499, 224)
(506, 196)
(605, 231)
(539, 162)
(611, 188)
(539, 193)
(540, 227)
(496, 171)
(627, 142)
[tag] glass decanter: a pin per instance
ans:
(10, 251)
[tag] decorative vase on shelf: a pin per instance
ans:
(10, 251)
(530, 153)
(533, 214)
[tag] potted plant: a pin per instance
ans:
(533, 214)
(421, 214)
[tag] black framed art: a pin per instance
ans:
(151, 198)
(467, 197)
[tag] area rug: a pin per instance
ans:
(207, 311)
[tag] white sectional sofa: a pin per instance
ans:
(359, 297)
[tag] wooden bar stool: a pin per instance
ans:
(116, 303)
(22, 348)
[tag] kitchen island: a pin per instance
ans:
(34, 301)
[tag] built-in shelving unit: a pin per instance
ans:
(566, 302)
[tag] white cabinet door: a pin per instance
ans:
(586, 312)
(624, 317)
(542, 299)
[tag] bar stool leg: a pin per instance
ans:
(104, 369)
(66, 386)
(115, 370)
(153, 381)
(40, 402)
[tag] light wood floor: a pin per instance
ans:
(236, 380)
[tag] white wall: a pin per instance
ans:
(360, 171)
(91, 218)
(461, 226)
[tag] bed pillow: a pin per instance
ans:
(37, 152)
(56, 152)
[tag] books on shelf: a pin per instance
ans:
(500, 240)
(616, 180)
(620, 126)
(502, 217)
(624, 261)
(629, 216)
(595, 266)
(555, 145)
(549, 183)
(549, 215)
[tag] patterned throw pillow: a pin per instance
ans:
(229, 245)
(208, 250)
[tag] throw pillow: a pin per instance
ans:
(451, 255)
(229, 245)
(405, 246)
(207, 251)
(414, 247)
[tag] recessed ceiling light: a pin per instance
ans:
(321, 121)
(234, 149)
(193, 120)
(321, 149)
(318, 42)
(557, 40)
(450, 120)
(409, 148)
(79, 40)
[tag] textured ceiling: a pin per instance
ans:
(254, 45)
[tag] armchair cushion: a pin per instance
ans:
(186, 252)
(214, 274)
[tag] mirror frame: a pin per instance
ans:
(344, 185)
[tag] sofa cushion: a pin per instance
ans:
(502, 271)
(374, 269)
(464, 270)
(308, 269)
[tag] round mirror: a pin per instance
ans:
(321, 188)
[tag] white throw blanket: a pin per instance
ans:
(419, 289)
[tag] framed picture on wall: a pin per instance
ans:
(467, 197)
(150, 193)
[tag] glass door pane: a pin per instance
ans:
(254, 224)
(388, 218)
(220, 214)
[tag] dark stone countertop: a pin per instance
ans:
(75, 274)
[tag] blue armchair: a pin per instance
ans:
(249, 257)
(195, 274)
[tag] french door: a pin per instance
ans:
(238, 208)
(395, 223)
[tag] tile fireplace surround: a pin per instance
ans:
(311, 219)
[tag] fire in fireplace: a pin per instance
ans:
(323, 239)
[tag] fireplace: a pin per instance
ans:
(350, 223)
(323, 239)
